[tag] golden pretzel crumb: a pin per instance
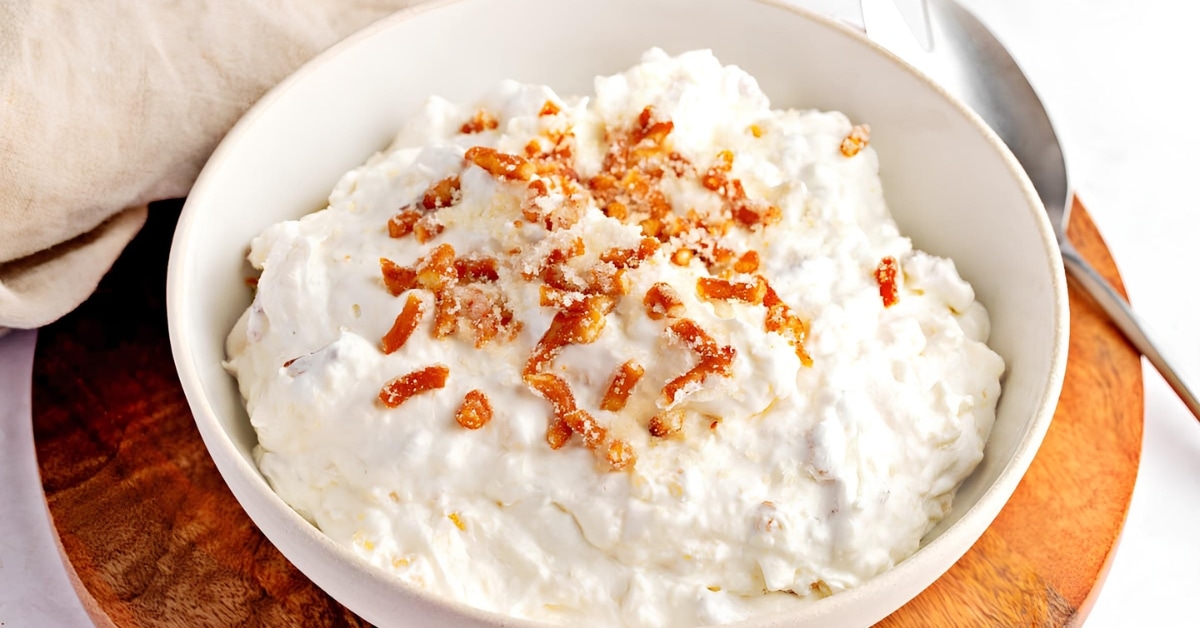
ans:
(402, 223)
(436, 269)
(780, 320)
(397, 278)
(720, 289)
(400, 389)
(406, 323)
(558, 433)
(631, 258)
(682, 257)
(620, 455)
(715, 178)
(555, 389)
(616, 209)
(661, 301)
(617, 395)
(747, 263)
(482, 121)
(444, 193)
(714, 359)
(666, 423)
(486, 313)
(569, 327)
(477, 269)
(427, 228)
(503, 166)
(860, 136)
(886, 274)
(475, 412)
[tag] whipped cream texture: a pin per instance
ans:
(654, 357)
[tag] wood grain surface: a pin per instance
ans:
(156, 539)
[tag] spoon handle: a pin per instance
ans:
(1122, 316)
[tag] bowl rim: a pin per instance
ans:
(891, 588)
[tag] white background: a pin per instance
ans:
(1118, 77)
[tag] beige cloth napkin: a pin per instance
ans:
(108, 105)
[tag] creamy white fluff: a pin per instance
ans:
(816, 479)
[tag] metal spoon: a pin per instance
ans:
(967, 60)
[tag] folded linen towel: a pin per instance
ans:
(107, 106)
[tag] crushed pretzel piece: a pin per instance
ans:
(620, 455)
(682, 257)
(607, 280)
(650, 129)
(436, 273)
(444, 193)
(533, 148)
(747, 263)
(476, 269)
(563, 277)
(746, 211)
(631, 258)
(582, 326)
(714, 359)
(427, 228)
(475, 412)
(402, 223)
(555, 389)
(561, 254)
(563, 300)
(719, 362)
(651, 227)
(486, 313)
(436, 269)
(406, 322)
(715, 289)
(483, 120)
(780, 320)
(661, 301)
(617, 395)
(666, 423)
(616, 209)
(860, 136)
(721, 255)
(693, 336)
(886, 274)
(397, 278)
(750, 213)
(715, 178)
(400, 389)
(503, 166)
(558, 433)
(446, 309)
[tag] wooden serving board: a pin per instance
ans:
(155, 538)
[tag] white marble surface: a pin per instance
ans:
(1118, 77)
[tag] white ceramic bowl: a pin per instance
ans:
(951, 184)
